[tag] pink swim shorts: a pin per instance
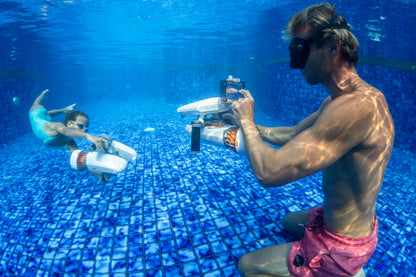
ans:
(323, 253)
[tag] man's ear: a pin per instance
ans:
(334, 46)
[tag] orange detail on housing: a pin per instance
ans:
(81, 160)
(214, 125)
(230, 138)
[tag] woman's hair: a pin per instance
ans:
(73, 116)
(326, 23)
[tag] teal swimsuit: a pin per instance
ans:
(38, 118)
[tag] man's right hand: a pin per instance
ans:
(243, 108)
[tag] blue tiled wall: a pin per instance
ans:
(13, 116)
(188, 85)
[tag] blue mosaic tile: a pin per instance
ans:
(230, 271)
(71, 266)
(233, 242)
(155, 273)
(190, 269)
(102, 266)
(105, 242)
(218, 247)
(135, 239)
(167, 246)
(172, 271)
(151, 248)
(152, 262)
(203, 250)
(198, 239)
(183, 242)
(86, 267)
(192, 218)
(120, 253)
(135, 265)
(169, 259)
(208, 264)
(118, 266)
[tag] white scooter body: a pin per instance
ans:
(205, 107)
(112, 159)
(228, 136)
(218, 133)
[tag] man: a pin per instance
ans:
(61, 135)
(350, 138)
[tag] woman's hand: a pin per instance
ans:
(99, 142)
(70, 108)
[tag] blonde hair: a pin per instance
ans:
(326, 23)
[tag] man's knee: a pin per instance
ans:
(294, 222)
(286, 221)
(290, 222)
(243, 263)
(360, 273)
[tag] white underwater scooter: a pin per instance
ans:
(111, 159)
(211, 127)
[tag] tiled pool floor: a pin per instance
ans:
(171, 212)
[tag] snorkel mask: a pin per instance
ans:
(299, 52)
(299, 48)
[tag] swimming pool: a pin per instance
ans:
(173, 212)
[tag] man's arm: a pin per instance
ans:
(281, 135)
(343, 124)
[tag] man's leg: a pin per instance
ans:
(295, 222)
(360, 273)
(273, 260)
(268, 261)
(38, 100)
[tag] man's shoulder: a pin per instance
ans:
(349, 104)
(365, 97)
(347, 114)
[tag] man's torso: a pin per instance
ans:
(351, 185)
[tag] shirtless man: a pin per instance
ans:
(61, 135)
(350, 139)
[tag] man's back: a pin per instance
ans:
(352, 183)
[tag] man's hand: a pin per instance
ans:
(244, 108)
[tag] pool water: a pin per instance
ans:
(171, 212)
(129, 65)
